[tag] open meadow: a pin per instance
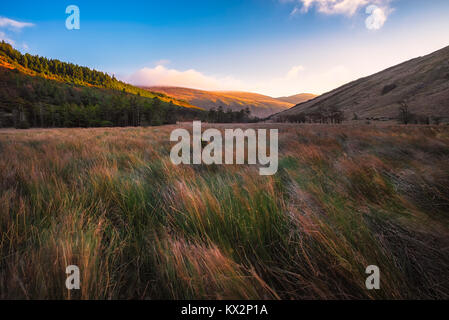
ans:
(110, 201)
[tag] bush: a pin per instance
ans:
(388, 88)
(23, 124)
(106, 123)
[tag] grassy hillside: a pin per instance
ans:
(422, 83)
(70, 73)
(37, 92)
(259, 105)
(110, 201)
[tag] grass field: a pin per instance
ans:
(110, 201)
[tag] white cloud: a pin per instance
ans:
(13, 25)
(378, 10)
(6, 22)
(297, 79)
(294, 72)
(294, 11)
(162, 76)
(377, 18)
(346, 7)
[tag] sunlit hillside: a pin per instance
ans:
(39, 92)
(53, 69)
(259, 105)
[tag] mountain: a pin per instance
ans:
(40, 92)
(298, 98)
(422, 83)
(259, 105)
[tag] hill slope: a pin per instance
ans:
(298, 98)
(38, 92)
(54, 69)
(259, 105)
(422, 82)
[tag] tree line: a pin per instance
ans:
(219, 115)
(328, 115)
(405, 116)
(27, 101)
(68, 71)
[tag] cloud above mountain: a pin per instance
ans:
(163, 76)
(293, 80)
(12, 25)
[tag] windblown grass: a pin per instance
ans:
(111, 202)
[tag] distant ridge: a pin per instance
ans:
(259, 105)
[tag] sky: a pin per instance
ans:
(272, 47)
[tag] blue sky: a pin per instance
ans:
(274, 47)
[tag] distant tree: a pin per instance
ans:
(220, 115)
(404, 113)
(212, 115)
(247, 112)
(25, 61)
(335, 115)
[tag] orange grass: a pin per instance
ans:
(110, 201)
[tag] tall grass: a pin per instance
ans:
(111, 202)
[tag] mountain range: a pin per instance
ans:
(39, 91)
